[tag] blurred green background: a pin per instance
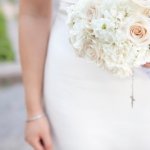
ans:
(6, 50)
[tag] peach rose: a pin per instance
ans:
(139, 33)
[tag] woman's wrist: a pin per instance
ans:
(35, 117)
(31, 113)
(34, 106)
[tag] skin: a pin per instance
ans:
(147, 65)
(34, 32)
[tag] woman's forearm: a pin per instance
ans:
(34, 30)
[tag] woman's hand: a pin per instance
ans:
(147, 65)
(37, 134)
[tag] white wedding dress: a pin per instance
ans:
(88, 108)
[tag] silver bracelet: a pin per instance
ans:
(35, 117)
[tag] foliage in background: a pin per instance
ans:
(6, 52)
(13, 1)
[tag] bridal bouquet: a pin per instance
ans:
(114, 34)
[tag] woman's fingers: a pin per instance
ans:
(47, 141)
(42, 142)
(37, 134)
(35, 143)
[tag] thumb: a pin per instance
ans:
(47, 141)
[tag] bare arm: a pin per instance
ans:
(34, 29)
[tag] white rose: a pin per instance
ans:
(143, 3)
(90, 8)
(92, 12)
(91, 53)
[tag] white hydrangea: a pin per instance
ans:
(112, 34)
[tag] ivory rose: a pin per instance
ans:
(92, 12)
(91, 53)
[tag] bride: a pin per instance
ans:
(71, 103)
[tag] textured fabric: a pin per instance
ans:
(88, 108)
